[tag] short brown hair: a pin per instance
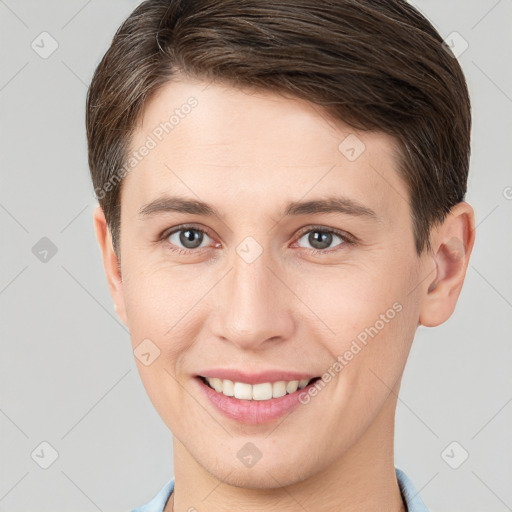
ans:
(374, 64)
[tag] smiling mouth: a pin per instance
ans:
(260, 392)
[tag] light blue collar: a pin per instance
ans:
(410, 495)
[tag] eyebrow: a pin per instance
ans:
(330, 205)
(177, 204)
(195, 207)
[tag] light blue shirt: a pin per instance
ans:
(409, 494)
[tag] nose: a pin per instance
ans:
(255, 306)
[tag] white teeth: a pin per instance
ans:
(303, 383)
(279, 389)
(228, 387)
(263, 391)
(216, 384)
(292, 386)
(243, 391)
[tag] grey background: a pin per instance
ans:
(67, 373)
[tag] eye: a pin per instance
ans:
(187, 238)
(322, 238)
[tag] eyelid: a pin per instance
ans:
(182, 227)
(346, 237)
(162, 238)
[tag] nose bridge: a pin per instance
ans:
(254, 308)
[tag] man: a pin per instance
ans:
(281, 189)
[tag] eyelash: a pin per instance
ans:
(346, 237)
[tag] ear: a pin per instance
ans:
(451, 246)
(110, 263)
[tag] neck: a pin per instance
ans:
(362, 478)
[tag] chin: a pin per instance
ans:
(263, 475)
(260, 479)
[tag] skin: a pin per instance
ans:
(247, 154)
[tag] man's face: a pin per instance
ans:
(265, 285)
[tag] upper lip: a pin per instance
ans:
(255, 378)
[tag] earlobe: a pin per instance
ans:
(452, 243)
(110, 263)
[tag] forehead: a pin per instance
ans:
(245, 147)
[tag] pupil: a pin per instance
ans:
(320, 239)
(189, 239)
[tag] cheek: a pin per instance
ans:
(346, 300)
(366, 322)
(165, 305)
(160, 307)
(154, 296)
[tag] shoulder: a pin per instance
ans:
(157, 504)
(409, 493)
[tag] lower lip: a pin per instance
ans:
(252, 411)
